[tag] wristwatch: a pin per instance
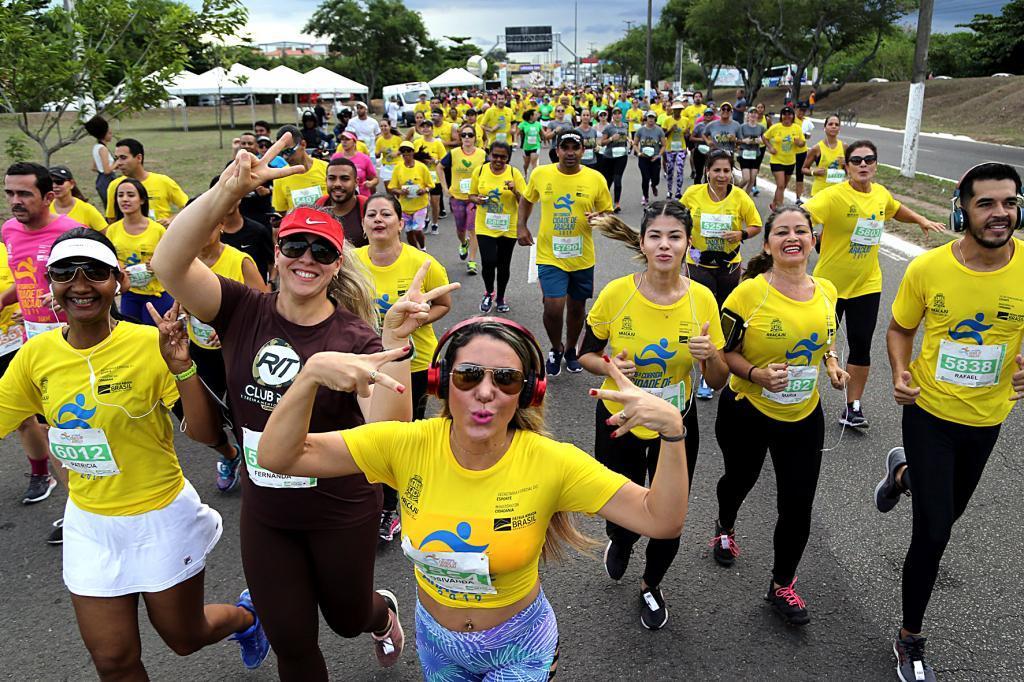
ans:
(829, 354)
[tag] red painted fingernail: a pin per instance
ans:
(614, 435)
(593, 391)
(609, 421)
(606, 358)
(400, 389)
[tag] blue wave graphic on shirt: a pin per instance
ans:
(384, 304)
(661, 353)
(133, 259)
(78, 413)
(804, 349)
(564, 202)
(456, 543)
(970, 328)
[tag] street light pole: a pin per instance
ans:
(915, 102)
(575, 47)
(647, 63)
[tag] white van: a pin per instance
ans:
(408, 95)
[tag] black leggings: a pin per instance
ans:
(744, 435)
(496, 256)
(861, 318)
(945, 461)
(292, 572)
(650, 174)
(637, 459)
(419, 411)
(721, 280)
(613, 169)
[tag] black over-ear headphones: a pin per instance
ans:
(958, 217)
(535, 382)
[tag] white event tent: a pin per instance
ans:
(455, 78)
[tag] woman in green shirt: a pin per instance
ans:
(529, 140)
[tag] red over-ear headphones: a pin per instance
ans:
(534, 386)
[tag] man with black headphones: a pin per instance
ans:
(962, 385)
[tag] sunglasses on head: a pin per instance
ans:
(863, 160)
(466, 375)
(65, 272)
(323, 251)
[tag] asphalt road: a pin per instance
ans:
(941, 156)
(719, 627)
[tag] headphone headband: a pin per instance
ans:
(526, 333)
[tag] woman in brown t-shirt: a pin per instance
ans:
(293, 528)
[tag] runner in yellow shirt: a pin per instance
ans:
(497, 121)
(852, 215)
(677, 129)
(302, 188)
(430, 150)
(962, 385)
(165, 196)
(785, 140)
(410, 183)
(459, 165)
(829, 155)
(68, 200)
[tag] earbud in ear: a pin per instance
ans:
(117, 288)
(51, 291)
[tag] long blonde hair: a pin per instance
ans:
(562, 531)
(353, 289)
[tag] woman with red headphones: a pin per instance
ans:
(485, 493)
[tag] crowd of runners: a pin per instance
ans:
(286, 318)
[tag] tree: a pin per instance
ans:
(894, 59)
(730, 43)
(106, 57)
(999, 40)
(380, 41)
(947, 55)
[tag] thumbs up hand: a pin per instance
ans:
(701, 347)
(1018, 379)
(625, 364)
(905, 394)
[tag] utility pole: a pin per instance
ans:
(915, 102)
(575, 48)
(647, 61)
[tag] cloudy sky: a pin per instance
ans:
(600, 21)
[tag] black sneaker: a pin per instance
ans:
(572, 363)
(888, 491)
(852, 416)
(616, 559)
(56, 536)
(39, 488)
(486, 302)
(788, 604)
(724, 547)
(653, 610)
(910, 665)
(554, 364)
(390, 524)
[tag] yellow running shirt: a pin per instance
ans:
(655, 337)
(783, 330)
(634, 117)
(676, 130)
(853, 223)
(386, 149)
(84, 213)
(11, 335)
(416, 179)
(462, 171)
(390, 282)
(51, 378)
(300, 190)
(163, 194)
(135, 251)
(565, 238)
(501, 513)
(711, 219)
(831, 160)
(784, 139)
(228, 266)
(973, 328)
(497, 217)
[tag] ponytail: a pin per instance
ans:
(613, 228)
(758, 265)
(762, 262)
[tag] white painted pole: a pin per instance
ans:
(915, 101)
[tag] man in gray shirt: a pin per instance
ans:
(723, 133)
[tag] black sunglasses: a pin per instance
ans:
(499, 157)
(93, 271)
(467, 375)
(323, 251)
(57, 180)
(468, 134)
(863, 160)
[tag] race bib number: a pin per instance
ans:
(748, 154)
(802, 381)
(461, 572)
(386, 173)
(85, 451)
(567, 247)
(834, 175)
(499, 222)
(262, 477)
(412, 191)
(201, 331)
(139, 275)
(967, 365)
(715, 225)
(867, 232)
(618, 152)
(673, 393)
(647, 151)
(37, 328)
(532, 141)
(787, 144)
(675, 145)
(306, 196)
(433, 176)
(588, 154)
(464, 185)
(501, 137)
(11, 339)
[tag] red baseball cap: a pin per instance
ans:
(312, 221)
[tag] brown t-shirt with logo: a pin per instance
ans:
(263, 352)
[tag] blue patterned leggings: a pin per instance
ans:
(675, 173)
(522, 649)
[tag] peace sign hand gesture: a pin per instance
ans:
(411, 311)
(173, 338)
(639, 408)
(352, 373)
(247, 172)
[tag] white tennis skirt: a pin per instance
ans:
(110, 556)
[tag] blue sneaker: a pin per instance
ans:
(572, 363)
(554, 363)
(253, 642)
(705, 392)
(227, 472)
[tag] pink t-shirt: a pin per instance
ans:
(365, 170)
(27, 253)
